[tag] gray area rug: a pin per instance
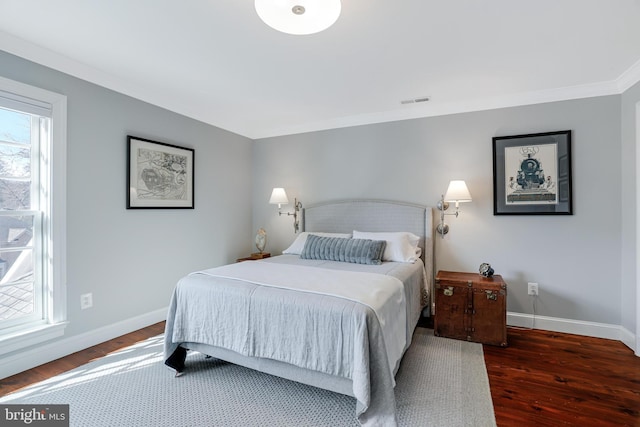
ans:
(441, 382)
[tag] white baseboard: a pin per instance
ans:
(28, 359)
(570, 326)
(629, 339)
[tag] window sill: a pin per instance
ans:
(29, 336)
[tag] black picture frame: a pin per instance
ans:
(532, 174)
(159, 175)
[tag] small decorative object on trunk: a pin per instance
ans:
(486, 270)
(261, 239)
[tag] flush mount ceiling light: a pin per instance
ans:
(298, 16)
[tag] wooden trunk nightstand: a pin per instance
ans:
(471, 307)
(255, 256)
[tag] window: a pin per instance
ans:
(32, 215)
(21, 234)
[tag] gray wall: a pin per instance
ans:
(629, 210)
(575, 259)
(131, 259)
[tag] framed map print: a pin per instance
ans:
(159, 175)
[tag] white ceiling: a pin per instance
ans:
(216, 61)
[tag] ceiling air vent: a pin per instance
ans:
(415, 100)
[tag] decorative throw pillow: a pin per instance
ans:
(298, 244)
(401, 246)
(357, 251)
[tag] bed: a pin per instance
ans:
(306, 317)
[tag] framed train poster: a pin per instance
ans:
(532, 174)
(159, 175)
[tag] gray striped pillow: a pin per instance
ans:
(357, 251)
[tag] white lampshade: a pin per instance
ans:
(457, 192)
(299, 16)
(278, 197)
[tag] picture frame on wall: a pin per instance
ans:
(532, 174)
(159, 175)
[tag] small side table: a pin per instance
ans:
(255, 256)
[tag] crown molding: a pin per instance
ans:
(59, 62)
(629, 78)
(56, 61)
(433, 109)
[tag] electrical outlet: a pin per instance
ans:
(86, 301)
(532, 289)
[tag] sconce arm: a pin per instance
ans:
(443, 228)
(297, 205)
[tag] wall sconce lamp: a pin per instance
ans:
(279, 197)
(457, 192)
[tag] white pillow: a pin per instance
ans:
(401, 246)
(298, 244)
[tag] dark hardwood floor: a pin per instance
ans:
(542, 379)
(48, 370)
(552, 379)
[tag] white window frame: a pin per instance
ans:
(54, 226)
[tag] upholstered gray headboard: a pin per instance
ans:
(344, 216)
